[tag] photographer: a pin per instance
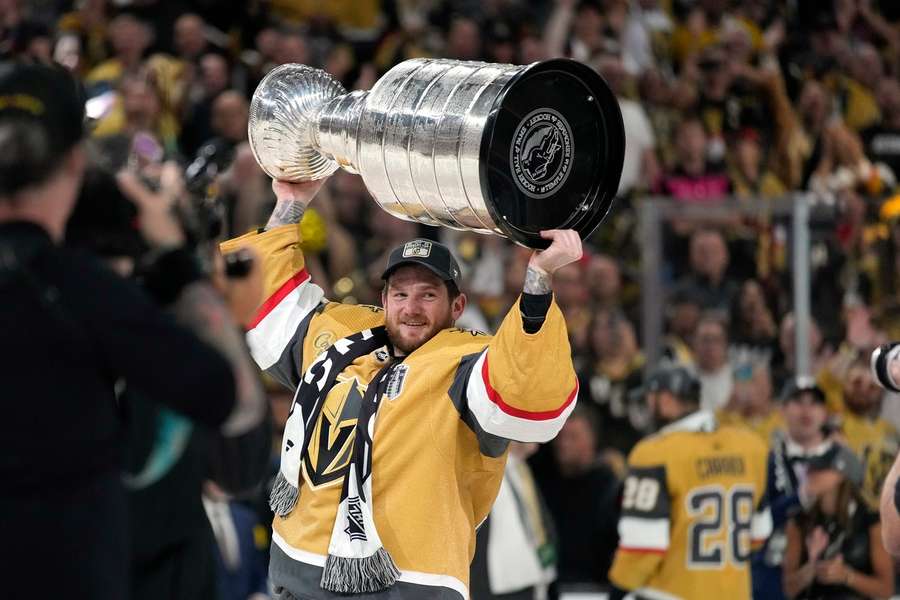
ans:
(72, 331)
(168, 455)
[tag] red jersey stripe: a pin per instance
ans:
(286, 288)
(518, 412)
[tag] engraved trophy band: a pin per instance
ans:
(503, 149)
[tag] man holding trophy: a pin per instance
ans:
(396, 441)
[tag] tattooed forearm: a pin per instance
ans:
(537, 282)
(203, 311)
(286, 212)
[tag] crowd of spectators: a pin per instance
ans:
(724, 102)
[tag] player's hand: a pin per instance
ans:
(303, 192)
(816, 542)
(565, 248)
(832, 571)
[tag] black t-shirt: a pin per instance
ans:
(585, 511)
(70, 330)
(852, 543)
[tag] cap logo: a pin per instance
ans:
(417, 249)
(24, 102)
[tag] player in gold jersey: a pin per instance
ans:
(692, 502)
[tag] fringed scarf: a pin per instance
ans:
(357, 562)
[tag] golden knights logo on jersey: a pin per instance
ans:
(331, 443)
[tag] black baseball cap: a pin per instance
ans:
(841, 459)
(677, 380)
(432, 255)
(799, 385)
(46, 94)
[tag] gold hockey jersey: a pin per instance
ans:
(692, 508)
(440, 433)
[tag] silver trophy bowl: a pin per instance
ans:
(503, 149)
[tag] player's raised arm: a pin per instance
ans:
(275, 335)
(523, 385)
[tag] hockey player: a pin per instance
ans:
(396, 441)
(691, 502)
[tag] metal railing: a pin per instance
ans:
(654, 211)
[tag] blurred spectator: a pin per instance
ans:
(805, 417)
(230, 112)
(751, 405)
(882, 140)
(197, 126)
(749, 172)
(708, 279)
(683, 311)
(190, 37)
(241, 542)
(87, 23)
(857, 87)
(129, 39)
(139, 108)
(640, 168)
(360, 20)
(753, 329)
(834, 547)
(585, 19)
(464, 39)
(515, 550)
(873, 439)
(292, 47)
(572, 295)
(703, 26)
(608, 380)
(844, 167)
(663, 98)
(581, 494)
(646, 32)
(784, 362)
(711, 362)
(693, 178)
(604, 282)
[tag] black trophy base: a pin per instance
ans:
(552, 152)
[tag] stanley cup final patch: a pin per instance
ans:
(394, 385)
(541, 153)
(417, 248)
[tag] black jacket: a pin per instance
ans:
(69, 330)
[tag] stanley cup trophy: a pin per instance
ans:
(503, 149)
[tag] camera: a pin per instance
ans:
(202, 213)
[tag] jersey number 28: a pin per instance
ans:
(719, 531)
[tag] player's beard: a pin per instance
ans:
(408, 344)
